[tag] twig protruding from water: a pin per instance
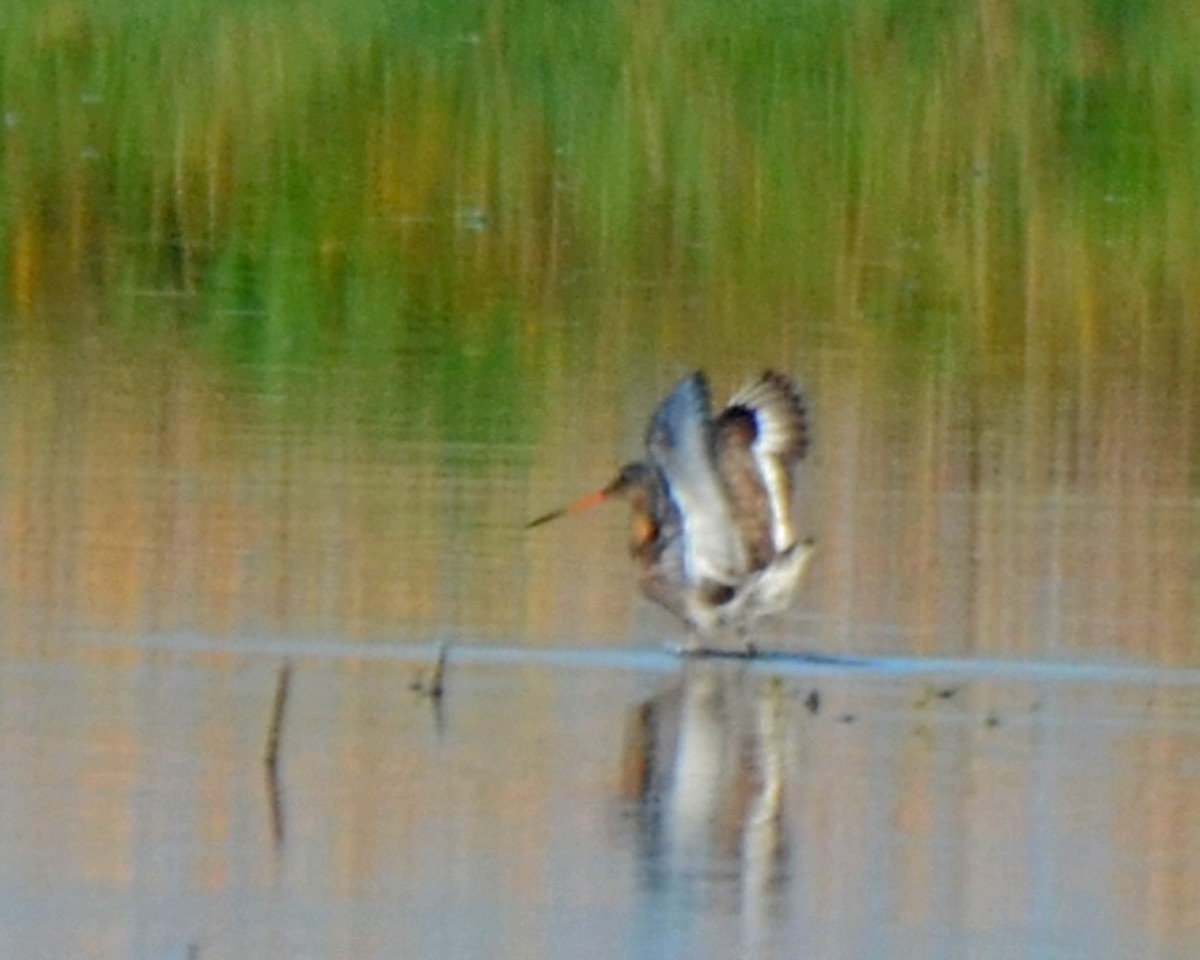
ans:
(435, 685)
(282, 682)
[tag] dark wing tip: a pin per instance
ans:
(738, 425)
(693, 391)
(797, 411)
(688, 402)
(778, 411)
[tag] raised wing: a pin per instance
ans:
(680, 442)
(763, 434)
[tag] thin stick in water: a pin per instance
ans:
(436, 679)
(282, 683)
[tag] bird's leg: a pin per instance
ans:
(751, 647)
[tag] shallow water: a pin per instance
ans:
(289, 354)
(976, 735)
(556, 806)
(988, 746)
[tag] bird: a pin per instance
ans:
(713, 532)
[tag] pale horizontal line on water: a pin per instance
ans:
(1038, 499)
(663, 660)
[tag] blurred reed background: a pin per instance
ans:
(308, 306)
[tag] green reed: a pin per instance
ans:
(326, 175)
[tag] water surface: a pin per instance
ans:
(305, 316)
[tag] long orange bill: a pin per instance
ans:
(583, 503)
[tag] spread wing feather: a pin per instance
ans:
(680, 442)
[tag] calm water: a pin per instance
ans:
(1012, 769)
(587, 808)
(283, 386)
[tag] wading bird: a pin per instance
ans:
(713, 532)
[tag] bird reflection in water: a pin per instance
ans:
(704, 766)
